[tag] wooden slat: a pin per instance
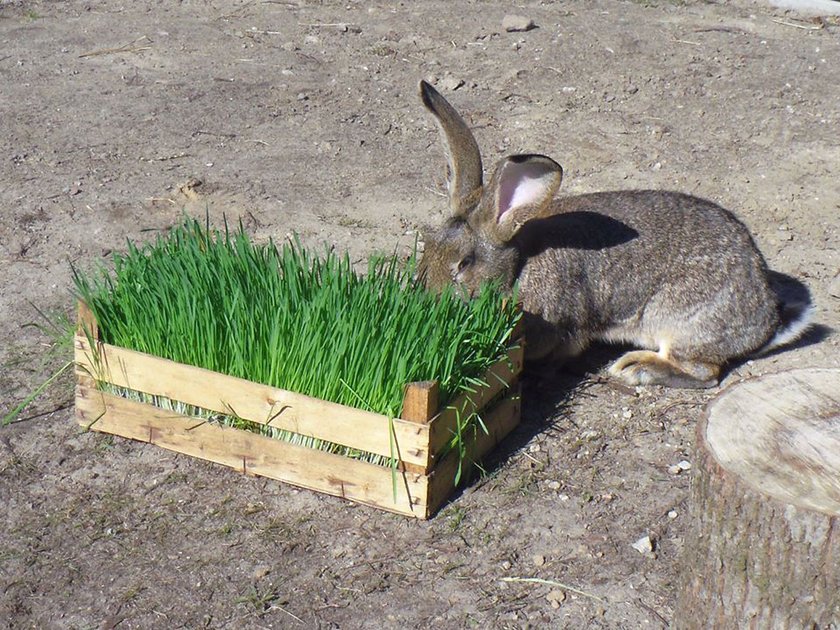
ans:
(500, 421)
(281, 409)
(253, 454)
(499, 376)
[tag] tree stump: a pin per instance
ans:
(763, 550)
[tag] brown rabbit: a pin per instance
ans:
(674, 274)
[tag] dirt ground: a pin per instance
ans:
(117, 117)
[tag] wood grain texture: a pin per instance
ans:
(278, 408)
(254, 454)
(763, 550)
(501, 375)
(421, 401)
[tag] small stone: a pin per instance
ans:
(627, 414)
(553, 485)
(450, 83)
(672, 514)
(535, 448)
(260, 572)
(674, 470)
(539, 560)
(684, 464)
(506, 565)
(517, 23)
(643, 545)
(556, 597)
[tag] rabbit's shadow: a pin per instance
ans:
(548, 388)
(573, 230)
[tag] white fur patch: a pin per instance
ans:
(528, 191)
(792, 331)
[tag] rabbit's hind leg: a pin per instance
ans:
(644, 367)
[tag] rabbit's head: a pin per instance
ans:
(477, 242)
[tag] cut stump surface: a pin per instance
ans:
(764, 548)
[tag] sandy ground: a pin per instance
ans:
(119, 117)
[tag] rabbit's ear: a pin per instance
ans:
(464, 171)
(522, 188)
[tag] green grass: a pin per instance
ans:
(286, 317)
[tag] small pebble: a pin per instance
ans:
(539, 560)
(506, 565)
(674, 470)
(672, 514)
(643, 545)
(556, 597)
(684, 464)
(517, 23)
(260, 572)
(450, 84)
(553, 485)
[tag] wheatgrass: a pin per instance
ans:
(284, 316)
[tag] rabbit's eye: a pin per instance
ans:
(466, 261)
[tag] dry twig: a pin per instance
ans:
(119, 49)
(802, 26)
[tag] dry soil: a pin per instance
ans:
(117, 117)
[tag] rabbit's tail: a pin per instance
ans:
(795, 321)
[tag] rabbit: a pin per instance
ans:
(675, 275)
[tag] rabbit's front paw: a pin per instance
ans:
(643, 367)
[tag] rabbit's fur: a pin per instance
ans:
(674, 274)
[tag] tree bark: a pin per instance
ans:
(763, 550)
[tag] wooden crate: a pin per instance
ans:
(422, 481)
